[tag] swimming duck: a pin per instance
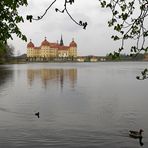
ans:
(136, 134)
(37, 114)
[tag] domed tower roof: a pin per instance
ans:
(73, 43)
(30, 44)
(45, 43)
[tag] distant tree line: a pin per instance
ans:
(126, 57)
(6, 52)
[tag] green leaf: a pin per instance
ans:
(9, 18)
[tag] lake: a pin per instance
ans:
(81, 105)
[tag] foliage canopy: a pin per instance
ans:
(6, 51)
(128, 20)
(9, 18)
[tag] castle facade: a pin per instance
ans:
(51, 51)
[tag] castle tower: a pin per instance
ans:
(61, 41)
(30, 47)
(73, 49)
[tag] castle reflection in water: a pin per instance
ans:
(53, 76)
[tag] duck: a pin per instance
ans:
(136, 134)
(37, 114)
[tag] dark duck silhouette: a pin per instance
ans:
(37, 114)
(136, 134)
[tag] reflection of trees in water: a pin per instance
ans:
(53, 75)
(5, 75)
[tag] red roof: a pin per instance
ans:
(30, 45)
(45, 43)
(54, 45)
(63, 47)
(73, 44)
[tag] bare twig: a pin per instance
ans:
(80, 23)
(40, 17)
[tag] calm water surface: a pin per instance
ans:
(85, 105)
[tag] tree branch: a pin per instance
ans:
(40, 17)
(128, 25)
(80, 23)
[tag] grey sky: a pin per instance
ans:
(95, 40)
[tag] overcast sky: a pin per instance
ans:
(95, 40)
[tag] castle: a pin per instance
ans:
(48, 51)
